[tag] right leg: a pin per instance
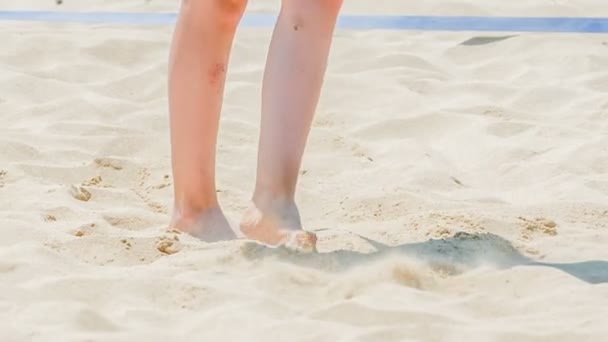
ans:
(199, 56)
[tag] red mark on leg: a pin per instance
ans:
(216, 76)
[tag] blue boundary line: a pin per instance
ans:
(420, 23)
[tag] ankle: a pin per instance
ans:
(273, 200)
(186, 213)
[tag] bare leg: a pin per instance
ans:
(199, 56)
(292, 83)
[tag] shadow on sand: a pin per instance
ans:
(453, 255)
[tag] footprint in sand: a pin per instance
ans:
(80, 193)
(143, 191)
(109, 163)
(140, 186)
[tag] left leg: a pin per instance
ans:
(293, 78)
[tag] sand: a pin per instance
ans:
(459, 191)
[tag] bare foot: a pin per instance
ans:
(277, 224)
(210, 225)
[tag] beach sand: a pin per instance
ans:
(459, 187)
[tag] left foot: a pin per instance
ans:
(209, 225)
(277, 224)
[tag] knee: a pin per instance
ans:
(332, 7)
(226, 13)
(230, 12)
(323, 8)
(231, 9)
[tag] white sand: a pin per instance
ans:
(485, 168)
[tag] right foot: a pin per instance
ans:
(209, 225)
(277, 224)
